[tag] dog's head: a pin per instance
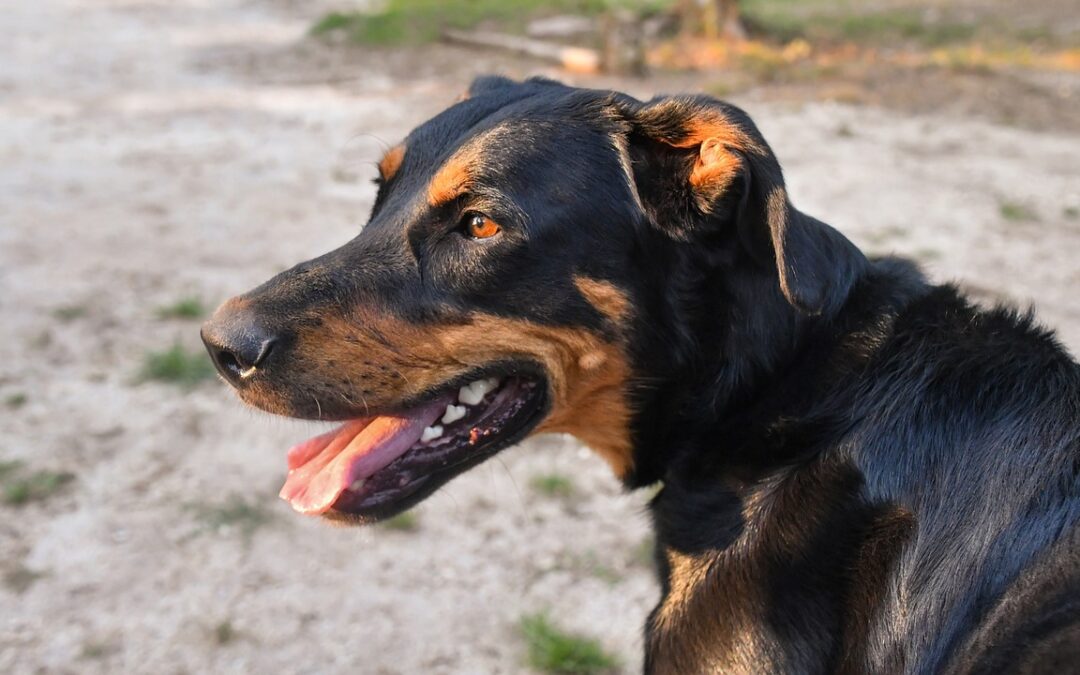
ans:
(524, 270)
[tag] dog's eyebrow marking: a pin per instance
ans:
(455, 177)
(391, 161)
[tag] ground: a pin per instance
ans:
(156, 152)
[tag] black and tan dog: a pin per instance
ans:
(862, 472)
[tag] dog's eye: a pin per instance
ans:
(479, 226)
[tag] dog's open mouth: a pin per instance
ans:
(373, 464)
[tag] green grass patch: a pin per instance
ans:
(553, 485)
(1017, 212)
(225, 633)
(784, 21)
(331, 22)
(184, 308)
(419, 21)
(69, 312)
(402, 522)
(20, 488)
(95, 650)
(8, 467)
(1071, 212)
(927, 254)
(234, 514)
(904, 25)
(42, 340)
(16, 400)
(644, 553)
(552, 650)
(19, 579)
(177, 366)
(593, 565)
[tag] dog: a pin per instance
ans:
(861, 472)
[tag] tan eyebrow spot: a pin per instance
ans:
(391, 161)
(454, 178)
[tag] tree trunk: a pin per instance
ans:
(711, 18)
(727, 14)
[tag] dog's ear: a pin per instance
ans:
(701, 167)
(487, 84)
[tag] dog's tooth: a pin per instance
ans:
(474, 392)
(453, 413)
(470, 394)
(485, 385)
(357, 484)
(430, 433)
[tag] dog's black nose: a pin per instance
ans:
(239, 346)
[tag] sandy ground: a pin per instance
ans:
(152, 150)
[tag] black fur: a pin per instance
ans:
(862, 472)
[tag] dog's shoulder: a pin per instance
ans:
(1035, 626)
(932, 449)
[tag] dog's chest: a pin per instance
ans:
(709, 621)
(778, 575)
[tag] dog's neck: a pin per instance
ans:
(733, 363)
(746, 470)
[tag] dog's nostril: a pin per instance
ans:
(238, 363)
(238, 348)
(229, 364)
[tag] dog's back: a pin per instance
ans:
(972, 422)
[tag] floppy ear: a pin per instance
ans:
(701, 164)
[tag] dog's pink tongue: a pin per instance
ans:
(322, 468)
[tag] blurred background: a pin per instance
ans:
(159, 156)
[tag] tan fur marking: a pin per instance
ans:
(716, 167)
(739, 646)
(457, 174)
(711, 133)
(698, 130)
(605, 297)
(391, 161)
(454, 178)
(374, 360)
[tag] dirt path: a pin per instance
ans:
(153, 150)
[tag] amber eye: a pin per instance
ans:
(480, 226)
